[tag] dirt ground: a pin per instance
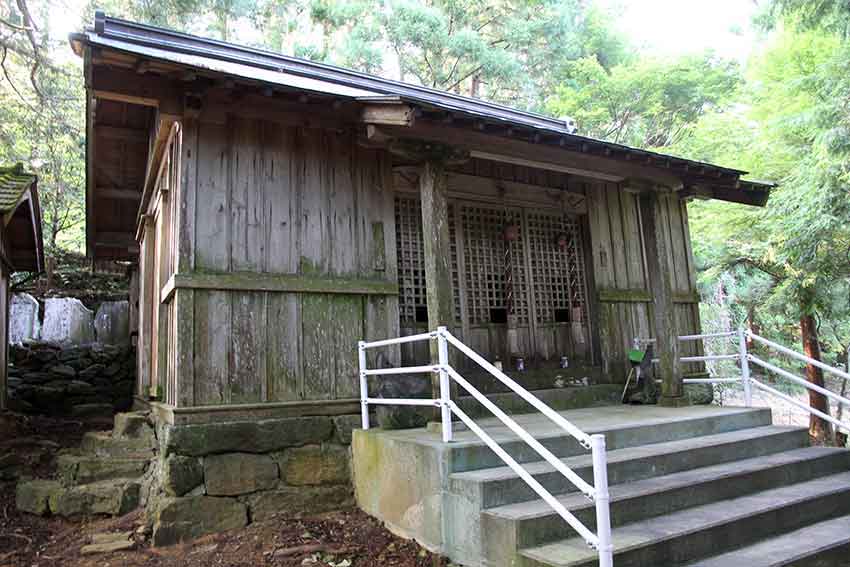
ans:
(347, 538)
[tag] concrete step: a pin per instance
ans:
(687, 535)
(75, 469)
(506, 529)
(824, 544)
(559, 399)
(498, 486)
(103, 444)
(616, 422)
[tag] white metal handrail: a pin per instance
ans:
(748, 382)
(598, 491)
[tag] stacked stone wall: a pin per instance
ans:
(73, 380)
(218, 476)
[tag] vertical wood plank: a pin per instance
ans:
(212, 218)
(183, 345)
(631, 231)
(212, 347)
(247, 242)
(313, 188)
(345, 243)
(348, 316)
(283, 344)
(281, 198)
(619, 268)
(187, 195)
(248, 347)
(319, 345)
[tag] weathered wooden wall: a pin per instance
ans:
(286, 258)
(620, 274)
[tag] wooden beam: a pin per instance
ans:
(128, 86)
(474, 141)
(392, 113)
(290, 283)
(546, 166)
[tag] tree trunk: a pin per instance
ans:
(753, 324)
(819, 429)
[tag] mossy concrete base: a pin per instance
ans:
(674, 402)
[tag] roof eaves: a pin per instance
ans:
(108, 32)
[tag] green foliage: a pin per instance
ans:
(42, 121)
(647, 103)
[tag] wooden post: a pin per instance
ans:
(434, 159)
(663, 315)
(435, 232)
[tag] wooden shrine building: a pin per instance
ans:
(21, 247)
(280, 210)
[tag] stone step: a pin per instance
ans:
(498, 486)
(506, 529)
(559, 399)
(470, 455)
(110, 497)
(687, 535)
(132, 425)
(824, 544)
(75, 469)
(103, 444)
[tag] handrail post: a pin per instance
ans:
(745, 367)
(602, 499)
(445, 389)
(364, 388)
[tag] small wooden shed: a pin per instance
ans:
(21, 247)
(280, 210)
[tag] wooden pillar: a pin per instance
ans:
(435, 233)
(663, 314)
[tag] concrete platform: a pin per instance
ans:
(436, 493)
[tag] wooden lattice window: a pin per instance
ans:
(488, 267)
(412, 299)
(557, 268)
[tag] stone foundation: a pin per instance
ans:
(218, 476)
(72, 381)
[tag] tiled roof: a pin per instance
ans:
(13, 183)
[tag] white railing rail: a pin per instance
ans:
(745, 357)
(598, 491)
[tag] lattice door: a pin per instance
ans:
(488, 267)
(557, 268)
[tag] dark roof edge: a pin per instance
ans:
(155, 37)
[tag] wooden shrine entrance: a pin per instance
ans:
(518, 280)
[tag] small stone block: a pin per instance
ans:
(232, 474)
